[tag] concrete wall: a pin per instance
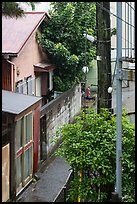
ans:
(59, 111)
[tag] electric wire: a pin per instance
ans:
(130, 5)
(130, 44)
(114, 14)
(126, 23)
(120, 19)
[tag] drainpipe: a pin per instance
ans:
(12, 75)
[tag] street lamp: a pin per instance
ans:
(89, 37)
(110, 89)
(85, 69)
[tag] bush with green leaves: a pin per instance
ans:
(89, 146)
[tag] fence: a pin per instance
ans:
(53, 115)
(62, 195)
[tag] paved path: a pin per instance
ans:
(51, 181)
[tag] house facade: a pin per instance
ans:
(25, 67)
(26, 79)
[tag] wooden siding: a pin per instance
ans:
(6, 76)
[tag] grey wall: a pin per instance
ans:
(60, 111)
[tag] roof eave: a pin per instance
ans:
(7, 55)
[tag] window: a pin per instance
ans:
(26, 86)
(28, 128)
(24, 150)
(19, 86)
(31, 85)
(50, 80)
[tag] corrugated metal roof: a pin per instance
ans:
(16, 103)
(16, 32)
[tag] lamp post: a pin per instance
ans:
(89, 37)
(85, 69)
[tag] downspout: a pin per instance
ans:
(12, 75)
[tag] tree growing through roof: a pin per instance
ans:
(63, 41)
(13, 9)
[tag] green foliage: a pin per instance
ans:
(128, 160)
(13, 9)
(89, 145)
(86, 190)
(63, 41)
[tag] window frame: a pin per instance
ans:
(21, 151)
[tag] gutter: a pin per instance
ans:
(8, 55)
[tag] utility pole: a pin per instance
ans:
(119, 103)
(104, 99)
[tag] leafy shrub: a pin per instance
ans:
(89, 146)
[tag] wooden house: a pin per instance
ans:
(25, 67)
(20, 141)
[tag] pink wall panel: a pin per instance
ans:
(30, 54)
